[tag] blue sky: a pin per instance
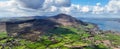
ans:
(90, 2)
(86, 2)
(86, 8)
(3, 0)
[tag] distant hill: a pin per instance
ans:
(22, 18)
(66, 20)
(56, 32)
(37, 25)
(4, 20)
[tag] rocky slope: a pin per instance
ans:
(31, 29)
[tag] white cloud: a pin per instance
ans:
(65, 10)
(52, 7)
(85, 9)
(98, 9)
(28, 7)
(113, 6)
(56, 3)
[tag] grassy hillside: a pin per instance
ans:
(63, 37)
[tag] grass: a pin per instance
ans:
(3, 34)
(90, 26)
(63, 38)
(115, 39)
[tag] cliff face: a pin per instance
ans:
(2, 27)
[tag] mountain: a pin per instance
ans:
(56, 32)
(35, 27)
(66, 20)
(22, 18)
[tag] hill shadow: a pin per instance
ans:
(32, 29)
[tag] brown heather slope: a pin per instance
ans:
(85, 33)
(32, 29)
(66, 20)
(2, 27)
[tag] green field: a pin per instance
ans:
(62, 38)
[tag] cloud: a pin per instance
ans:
(53, 7)
(34, 4)
(59, 3)
(113, 6)
(56, 3)
(85, 9)
(32, 7)
(65, 10)
(98, 9)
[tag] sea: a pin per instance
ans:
(105, 24)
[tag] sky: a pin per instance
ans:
(90, 2)
(76, 8)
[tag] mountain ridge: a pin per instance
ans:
(41, 26)
(59, 31)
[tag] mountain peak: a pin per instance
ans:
(65, 20)
(35, 27)
(63, 16)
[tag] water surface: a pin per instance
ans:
(104, 24)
